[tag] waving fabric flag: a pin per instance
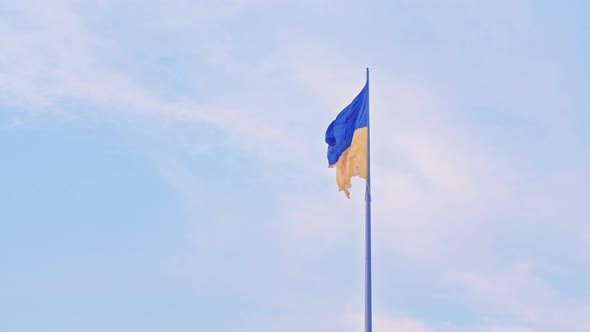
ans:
(347, 138)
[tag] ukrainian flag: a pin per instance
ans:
(347, 138)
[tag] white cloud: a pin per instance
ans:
(387, 323)
(520, 292)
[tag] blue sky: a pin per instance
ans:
(163, 165)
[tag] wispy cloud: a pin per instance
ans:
(475, 147)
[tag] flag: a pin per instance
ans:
(347, 138)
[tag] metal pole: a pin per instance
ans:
(368, 304)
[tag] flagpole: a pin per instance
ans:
(368, 304)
